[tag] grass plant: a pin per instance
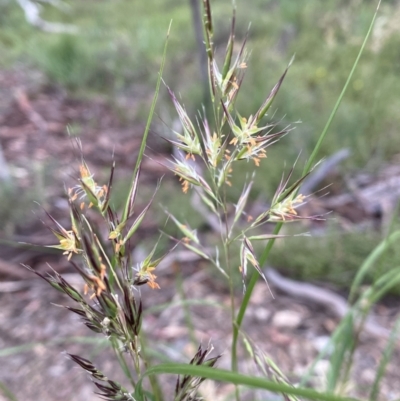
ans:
(210, 148)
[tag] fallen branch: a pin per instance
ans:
(32, 15)
(309, 292)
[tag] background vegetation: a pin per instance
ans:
(118, 49)
(114, 57)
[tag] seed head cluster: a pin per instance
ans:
(110, 301)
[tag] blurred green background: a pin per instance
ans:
(117, 53)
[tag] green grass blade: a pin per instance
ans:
(314, 153)
(149, 120)
(338, 332)
(385, 284)
(157, 394)
(7, 392)
(234, 378)
(387, 353)
(121, 360)
(307, 168)
(343, 346)
(371, 261)
(247, 296)
(345, 343)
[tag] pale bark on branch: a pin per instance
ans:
(32, 15)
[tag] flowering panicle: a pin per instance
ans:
(189, 139)
(190, 239)
(70, 241)
(242, 201)
(247, 255)
(145, 270)
(233, 138)
(98, 196)
(249, 141)
(108, 389)
(186, 387)
(109, 302)
(214, 148)
(229, 83)
(188, 176)
(145, 275)
(286, 209)
(284, 204)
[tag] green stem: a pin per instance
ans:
(249, 291)
(7, 392)
(231, 377)
(307, 168)
(348, 359)
(122, 362)
(148, 123)
(225, 241)
(387, 353)
(155, 385)
(234, 360)
(310, 162)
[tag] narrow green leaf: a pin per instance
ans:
(307, 168)
(268, 102)
(196, 250)
(234, 378)
(7, 392)
(384, 284)
(229, 47)
(342, 344)
(387, 354)
(139, 219)
(340, 98)
(149, 120)
(370, 262)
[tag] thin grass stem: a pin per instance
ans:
(249, 291)
(122, 362)
(155, 385)
(387, 354)
(239, 379)
(149, 121)
(317, 147)
(307, 168)
(7, 392)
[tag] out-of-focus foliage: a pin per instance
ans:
(119, 44)
(336, 257)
